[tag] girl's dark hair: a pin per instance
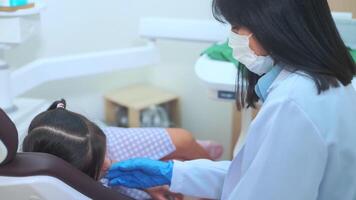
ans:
(299, 34)
(69, 136)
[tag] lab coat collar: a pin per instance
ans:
(267, 81)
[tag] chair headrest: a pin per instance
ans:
(41, 164)
(8, 139)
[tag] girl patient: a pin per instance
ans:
(83, 144)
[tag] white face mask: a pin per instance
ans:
(242, 52)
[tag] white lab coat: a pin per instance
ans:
(301, 146)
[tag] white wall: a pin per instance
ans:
(71, 27)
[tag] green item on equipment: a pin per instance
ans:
(221, 52)
(353, 54)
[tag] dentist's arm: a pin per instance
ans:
(199, 178)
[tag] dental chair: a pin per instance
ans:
(39, 176)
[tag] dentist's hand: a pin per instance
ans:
(140, 173)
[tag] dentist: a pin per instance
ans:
(302, 144)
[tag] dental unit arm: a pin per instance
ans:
(13, 83)
(17, 27)
(57, 68)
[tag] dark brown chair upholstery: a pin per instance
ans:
(40, 164)
(8, 136)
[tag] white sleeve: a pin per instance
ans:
(199, 178)
(290, 163)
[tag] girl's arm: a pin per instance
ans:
(163, 193)
(186, 146)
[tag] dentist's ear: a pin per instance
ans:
(255, 45)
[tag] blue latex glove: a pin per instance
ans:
(140, 173)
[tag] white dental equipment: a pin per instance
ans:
(17, 27)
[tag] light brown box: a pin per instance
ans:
(137, 98)
(343, 6)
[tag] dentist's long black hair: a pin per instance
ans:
(300, 34)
